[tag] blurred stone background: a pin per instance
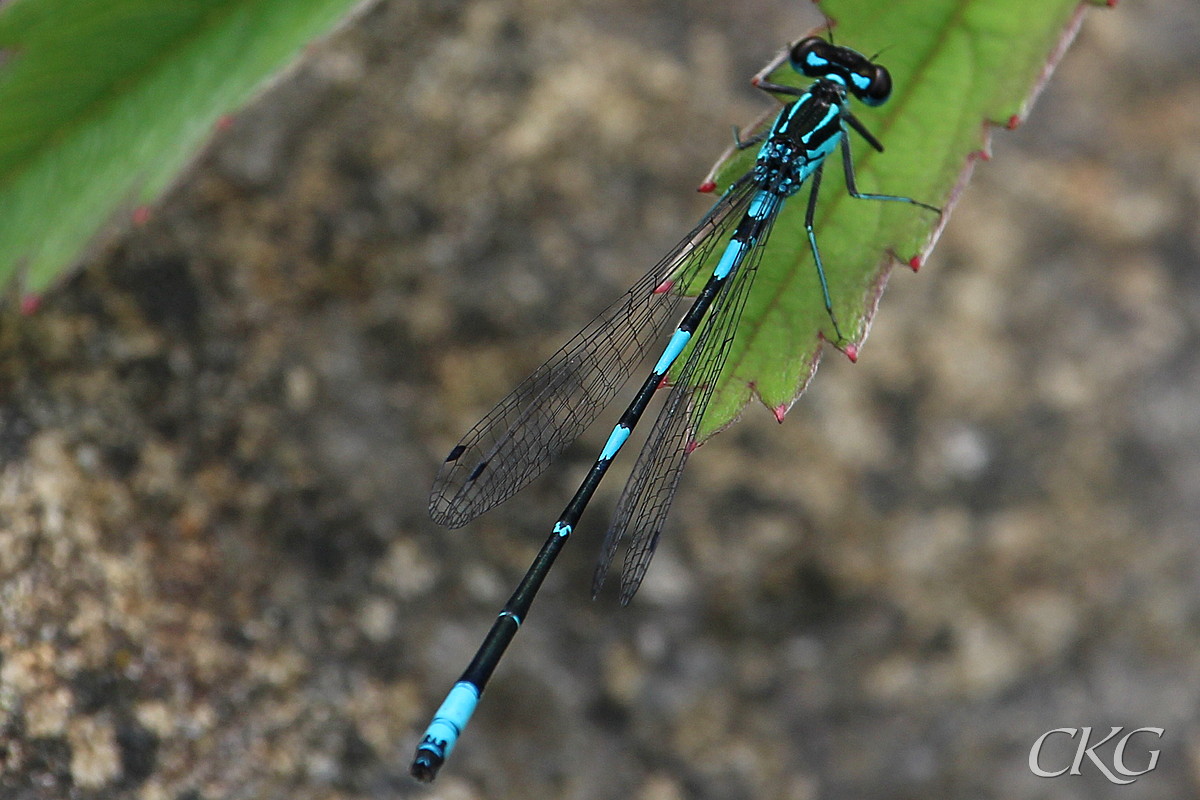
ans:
(217, 577)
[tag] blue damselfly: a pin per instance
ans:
(522, 435)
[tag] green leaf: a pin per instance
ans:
(956, 65)
(102, 102)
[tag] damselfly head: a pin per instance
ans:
(866, 80)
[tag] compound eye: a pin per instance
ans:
(810, 57)
(879, 87)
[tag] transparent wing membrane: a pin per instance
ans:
(644, 503)
(535, 423)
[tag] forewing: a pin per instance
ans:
(539, 419)
(646, 499)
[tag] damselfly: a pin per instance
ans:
(521, 436)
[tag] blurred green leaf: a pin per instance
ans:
(102, 102)
(956, 65)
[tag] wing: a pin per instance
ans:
(646, 499)
(534, 424)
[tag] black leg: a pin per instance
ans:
(852, 186)
(779, 88)
(741, 144)
(816, 251)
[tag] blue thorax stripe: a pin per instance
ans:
(830, 115)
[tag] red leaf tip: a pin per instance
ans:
(851, 351)
(707, 187)
(30, 304)
(780, 412)
(1013, 122)
(690, 447)
(141, 215)
(666, 286)
(224, 122)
